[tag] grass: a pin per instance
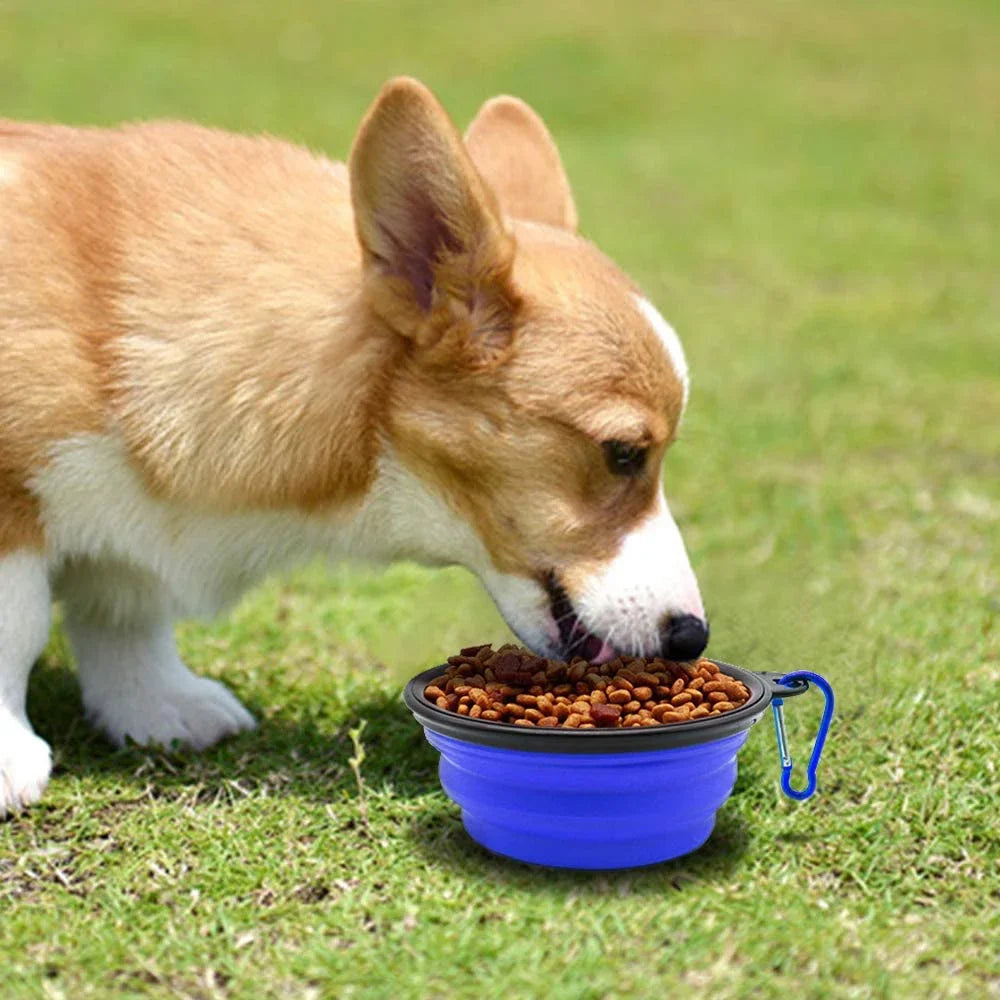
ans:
(809, 192)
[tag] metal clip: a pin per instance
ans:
(777, 706)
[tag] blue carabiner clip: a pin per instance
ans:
(817, 750)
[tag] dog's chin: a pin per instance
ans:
(544, 620)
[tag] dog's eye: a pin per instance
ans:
(624, 459)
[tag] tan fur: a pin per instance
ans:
(517, 448)
(254, 338)
(201, 290)
(513, 150)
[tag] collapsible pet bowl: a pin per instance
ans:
(603, 798)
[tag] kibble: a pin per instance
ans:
(512, 686)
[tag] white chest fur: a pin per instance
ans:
(95, 507)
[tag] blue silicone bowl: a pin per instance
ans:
(597, 798)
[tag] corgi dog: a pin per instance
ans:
(223, 355)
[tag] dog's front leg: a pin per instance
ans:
(25, 612)
(131, 676)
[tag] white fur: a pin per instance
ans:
(118, 619)
(126, 564)
(134, 685)
(95, 508)
(25, 610)
(669, 339)
(649, 579)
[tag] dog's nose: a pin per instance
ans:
(684, 637)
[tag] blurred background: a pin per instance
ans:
(807, 190)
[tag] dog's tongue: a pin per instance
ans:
(596, 650)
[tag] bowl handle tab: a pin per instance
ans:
(778, 687)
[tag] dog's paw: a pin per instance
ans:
(193, 712)
(25, 765)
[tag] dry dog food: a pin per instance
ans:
(514, 686)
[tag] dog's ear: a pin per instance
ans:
(514, 151)
(437, 256)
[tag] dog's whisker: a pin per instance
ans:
(566, 617)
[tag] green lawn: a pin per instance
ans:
(811, 193)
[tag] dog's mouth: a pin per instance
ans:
(575, 637)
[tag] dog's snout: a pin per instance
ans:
(684, 637)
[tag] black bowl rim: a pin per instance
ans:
(763, 687)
